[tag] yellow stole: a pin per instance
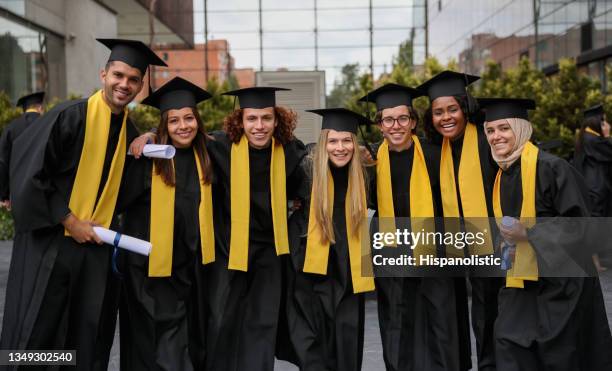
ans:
(31, 110)
(162, 223)
(589, 130)
(421, 200)
(240, 196)
(525, 267)
(471, 189)
(89, 172)
(317, 252)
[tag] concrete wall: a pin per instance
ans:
(49, 14)
(79, 22)
(307, 92)
(86, 20)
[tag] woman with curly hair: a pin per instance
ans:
(331, 270)
(169, 202)
(257, 161)
(467, 174)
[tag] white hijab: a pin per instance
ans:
(522, 130)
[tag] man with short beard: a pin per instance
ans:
(65, 178)
(257, 161)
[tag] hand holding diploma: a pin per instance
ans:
(125, 242)
(157, 151)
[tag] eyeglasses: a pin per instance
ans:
(402, 120)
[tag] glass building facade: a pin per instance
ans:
(31, 57)
(474, 31)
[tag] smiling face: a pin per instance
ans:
(447, 117)
(122, 83)
(259, 124)
(182, 127)
(340, 147)
(396, 125)
(500, 136)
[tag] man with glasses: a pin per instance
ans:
(417, 316)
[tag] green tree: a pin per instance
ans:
(344, 87)
(8, 112)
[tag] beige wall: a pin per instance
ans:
(86, 20)
(80, 22)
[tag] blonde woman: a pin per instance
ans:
(331, 270)
(544, 321)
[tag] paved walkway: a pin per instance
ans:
(372, 357)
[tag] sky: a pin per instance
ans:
(288, 32)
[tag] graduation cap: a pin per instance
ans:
(391, 95)
(341, 119)
(133, 52)
(175, 94)
(506, 108)
(446, 84)
(31, 99)
(596, 111)
(256, 97)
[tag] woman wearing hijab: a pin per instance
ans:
(169, 202)
(593, 159)
(545, 321)
(331, 271)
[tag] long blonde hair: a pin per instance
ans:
(356, 188)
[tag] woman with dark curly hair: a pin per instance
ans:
(257, 161)
(467, 175)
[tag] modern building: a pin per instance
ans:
(472, 31)
(200, 63)
(50, 44)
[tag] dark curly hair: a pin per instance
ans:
(413, 114)
(286, 121)
(430, 131)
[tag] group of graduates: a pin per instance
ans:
(236, 277)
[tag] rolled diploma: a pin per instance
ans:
(159, 151)
(125, 242)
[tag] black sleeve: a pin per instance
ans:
(559, 234)
(135, 182)
(5, 155)
(62, 139)
(295, 151)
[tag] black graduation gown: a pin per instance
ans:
(10, 133)
(70, 281)
(484, 289)
(155, 311)
(554, 323)
(417, 316)
(594, 162)
(326, 319)
(244, 308)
